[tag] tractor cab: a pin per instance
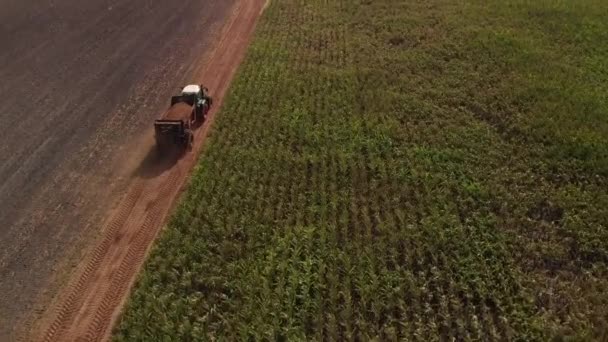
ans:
(198, 95)
(198, 98)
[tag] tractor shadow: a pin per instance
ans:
(157, 162)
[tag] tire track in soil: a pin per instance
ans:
(68, 309)
(128, 267)
(88, 308)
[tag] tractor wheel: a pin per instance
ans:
(206, 110)
(189, 140)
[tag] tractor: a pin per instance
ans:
(188, 111)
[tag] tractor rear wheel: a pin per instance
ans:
(189, 140)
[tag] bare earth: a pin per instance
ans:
(81, 83)
(91, 304)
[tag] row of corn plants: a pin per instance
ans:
(397, 170)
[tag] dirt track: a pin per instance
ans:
(81, 81)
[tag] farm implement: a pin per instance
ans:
(188, 111)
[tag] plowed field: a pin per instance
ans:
(81, 84)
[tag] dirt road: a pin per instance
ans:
(81, 83)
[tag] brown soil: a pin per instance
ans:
(91, 304)
(82, 82)
(179, 111)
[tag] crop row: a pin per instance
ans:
(375, 173)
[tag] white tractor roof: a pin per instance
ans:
(192, 88)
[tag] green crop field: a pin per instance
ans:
(397, 170)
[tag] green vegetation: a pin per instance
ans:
(394, 169)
